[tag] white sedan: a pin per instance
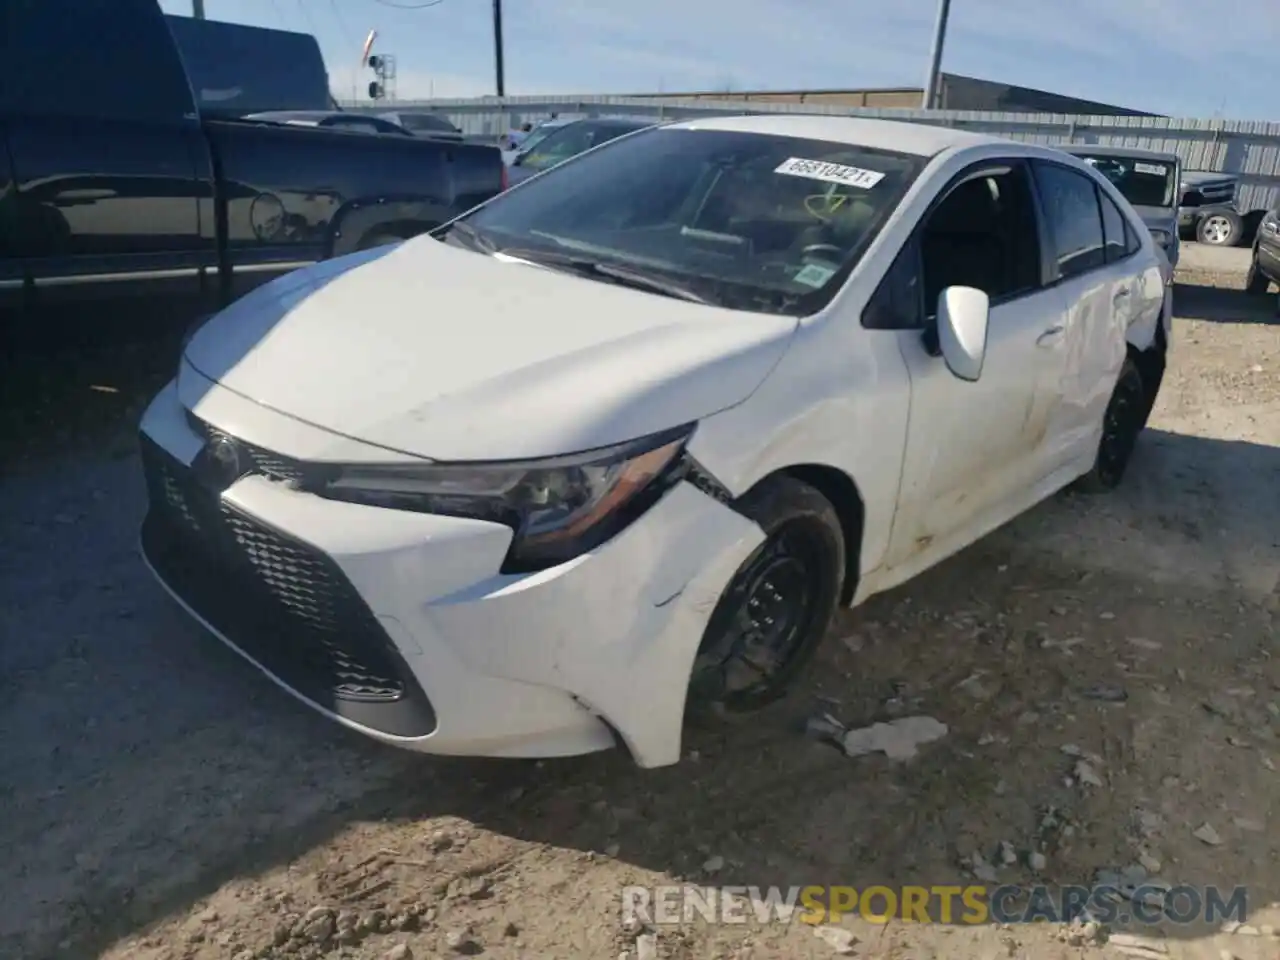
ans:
(616, 444)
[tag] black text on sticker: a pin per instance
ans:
(830, 172)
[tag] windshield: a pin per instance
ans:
(1144, 183)
(741, 220)
(537, 135)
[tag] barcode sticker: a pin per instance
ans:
(830, 172)
(1154, 169)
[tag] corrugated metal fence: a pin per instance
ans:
(1248, 149)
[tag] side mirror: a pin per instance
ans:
(963, 314)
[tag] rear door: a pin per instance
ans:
(107, 153)
(1093, 268)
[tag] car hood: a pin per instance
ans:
(447, 354)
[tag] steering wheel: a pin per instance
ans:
(825, 250)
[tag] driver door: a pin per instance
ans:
(975, 449)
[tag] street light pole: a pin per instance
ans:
(933, 81)
(497, 47)
(197, 9)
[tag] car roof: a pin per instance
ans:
(1130, 153)
(921, 139)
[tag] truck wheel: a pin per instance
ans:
(1121, 424)
(1255, 281)
(1222, 228)
(779, 604)
(378, 238)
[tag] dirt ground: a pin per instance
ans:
(1104, 667)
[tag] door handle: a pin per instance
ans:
(1050, 336)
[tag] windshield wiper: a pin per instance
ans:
(613, 273)
(474, 238)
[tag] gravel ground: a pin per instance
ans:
(162, 801)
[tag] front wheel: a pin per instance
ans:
(1255, 281)
(773, 614)
(1219, 229)
(1121, 424)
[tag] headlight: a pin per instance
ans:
(558, 508)
(1162, 237)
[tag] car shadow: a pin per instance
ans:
(149, 767)
(1224, 304)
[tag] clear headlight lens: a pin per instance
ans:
(1162, 237)
(558, 508)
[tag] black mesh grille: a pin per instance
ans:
(281, 601)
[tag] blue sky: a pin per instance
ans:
(1189, 58)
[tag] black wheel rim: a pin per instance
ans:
(1120, 428)
(764, 619)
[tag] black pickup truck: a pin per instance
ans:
(127, 171)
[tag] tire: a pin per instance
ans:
(378, 238)
(792, 581)
(1122, 422)
(1255, 281)
(1222, 228)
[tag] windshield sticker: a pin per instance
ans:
(814, 275)
(830, 172)
(1154, 169)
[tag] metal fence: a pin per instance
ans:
(1247, 149)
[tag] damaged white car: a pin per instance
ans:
(616, 444)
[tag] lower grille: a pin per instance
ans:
(282, 602)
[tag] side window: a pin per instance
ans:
(1070, 203)
(896, 304)
(983, 234)
(92, 59)
(1118, 236)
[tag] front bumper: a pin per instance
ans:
(400, 626)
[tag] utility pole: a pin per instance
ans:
(931, 92)
(197, 9)
(497, 47)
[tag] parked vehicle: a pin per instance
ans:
(762, 367)
(1207, 208)
(423, 124)
(124, 186)
(1264, 263)
(1149, 181)
(510, 149)
(568, 141)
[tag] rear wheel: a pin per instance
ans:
(1219, 229)
(378, 238)
(779, 604)
(1123, 421)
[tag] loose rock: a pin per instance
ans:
(840, 940)
(897, 739)
(1206, 834)
(647, 946)
(400, 951)
(713, 864)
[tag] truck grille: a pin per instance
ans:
(282, 602)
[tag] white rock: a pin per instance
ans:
(1085, 773)
(647, 946)
(898, 739)
(1036, 861)
(839, 939)
(713, 864)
